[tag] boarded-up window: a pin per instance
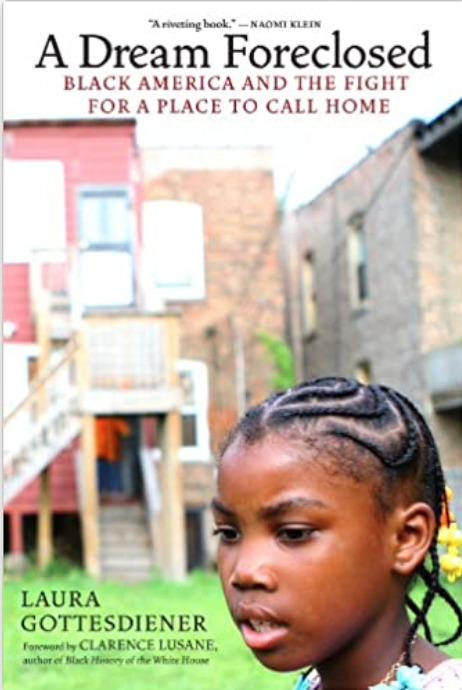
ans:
(34, 208)
(173, 239)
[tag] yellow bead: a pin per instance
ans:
(452, 566)
(456, 537)
(443, 535)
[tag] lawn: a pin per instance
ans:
(230, 667)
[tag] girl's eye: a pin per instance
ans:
(228, 535)
(295, 535)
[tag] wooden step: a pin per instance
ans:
(125, 543)
(132, 546)
(121, 513)
(126, 576)
(120, 561)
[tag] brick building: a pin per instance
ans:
(379, 263)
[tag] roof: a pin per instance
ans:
(87, 122)
(410, 126)
(447, 124)
(446, 127)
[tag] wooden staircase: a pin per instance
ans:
(125, 544)
(42, 426)
(114, 364)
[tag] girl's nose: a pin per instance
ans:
(252, 571)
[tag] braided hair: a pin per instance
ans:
(402, 457)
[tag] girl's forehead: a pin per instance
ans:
(276, 460)
(260, 459)
(264, 474)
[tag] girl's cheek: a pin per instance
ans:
(226, 564)
(223, 562)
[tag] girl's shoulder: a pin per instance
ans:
(445, 676)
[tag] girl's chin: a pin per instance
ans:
(276, 662)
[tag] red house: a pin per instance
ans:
(81, 345)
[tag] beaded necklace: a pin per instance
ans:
(399, 677)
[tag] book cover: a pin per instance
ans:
(203, 203)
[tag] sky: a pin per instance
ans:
(310, 149)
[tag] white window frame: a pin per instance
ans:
(199, 373)
(201, 451)
(156, 213)
(310, 304)
(364, 372)
(356, 241)
(113, 258)
(99, 192)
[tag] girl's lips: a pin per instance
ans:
(262, 640)
(270, 635)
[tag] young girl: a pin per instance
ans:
(329, 500)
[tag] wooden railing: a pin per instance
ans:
(128, 363)
(152, 497)
(42, 425)
(120, 364)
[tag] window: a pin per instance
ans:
(195, 538)
(173, 238)
(104, 217)
(358, 261)
(309, 302)
(106, 231)
(34, 208)
(194, 412)
(364, 372)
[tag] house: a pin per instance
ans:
(378, 265)
(83, 350)
(139, 299)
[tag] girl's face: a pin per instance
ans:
(304, 559)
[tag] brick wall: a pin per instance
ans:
(438, 201)
(243, 279)
(439, 206)
(386, 330)
(413, 208)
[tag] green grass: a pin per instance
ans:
(232, 667)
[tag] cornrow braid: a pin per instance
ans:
(389, 426)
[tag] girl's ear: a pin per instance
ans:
(415, 528)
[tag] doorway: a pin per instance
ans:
(119, 470)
